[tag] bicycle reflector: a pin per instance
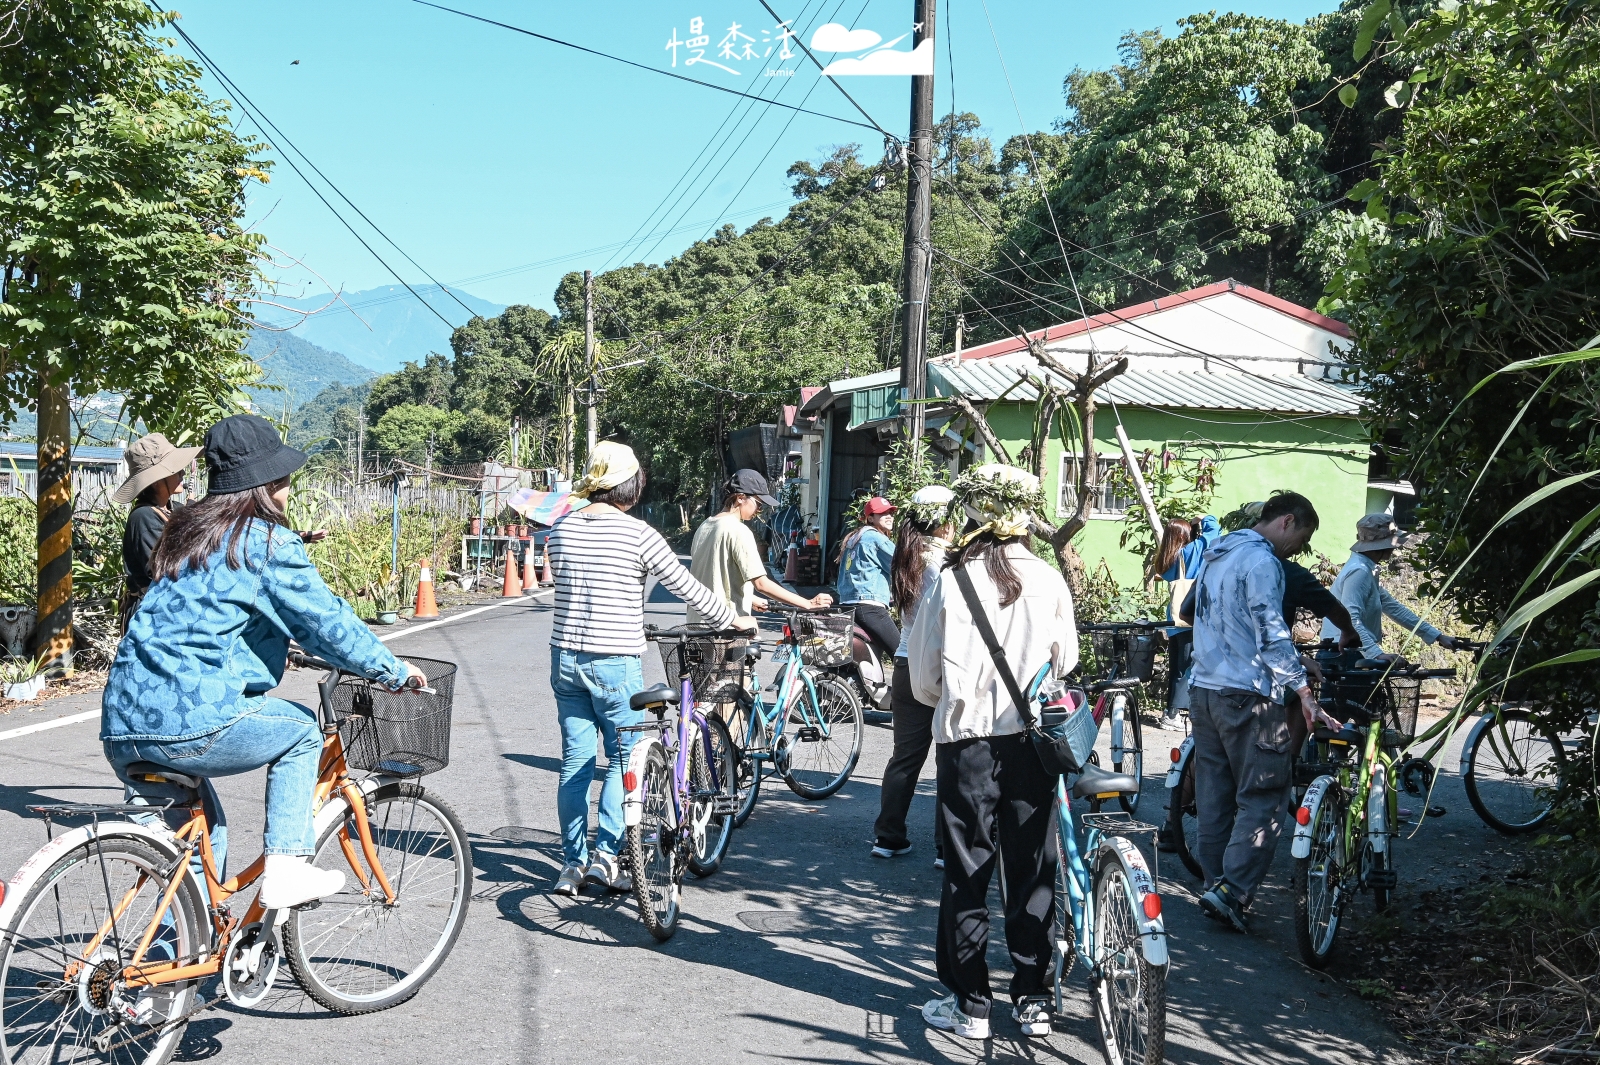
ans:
(630, 780)
(787, 635)
(1303, 815)
(1176, 755)
(1152, 906)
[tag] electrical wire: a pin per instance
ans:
(798, 40)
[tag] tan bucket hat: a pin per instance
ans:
(1376, 532)
(150, 459)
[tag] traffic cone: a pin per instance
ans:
(427, 607)
(511, 588)
(530, 576)
(544, 566)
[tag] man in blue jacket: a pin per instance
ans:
(1244, 663)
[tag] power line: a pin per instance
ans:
(641, 66)
(831, 78)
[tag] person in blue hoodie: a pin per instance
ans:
(1244, 663)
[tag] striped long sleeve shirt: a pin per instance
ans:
(600, 561)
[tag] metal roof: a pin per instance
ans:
(823, 398)
(987, 379)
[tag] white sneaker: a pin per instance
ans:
(291, 880)
(605, 872)
(880, 851)
(570, 880)
(1033, 1015)
(945, 1015)
(938, 863)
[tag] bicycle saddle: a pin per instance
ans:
(160, 774)
(661, 693)
(1096, 781)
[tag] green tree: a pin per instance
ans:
(408, 430)
(429, 383)
(125, 261)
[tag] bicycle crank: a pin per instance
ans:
(250, 964)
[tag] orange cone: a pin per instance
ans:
(530, 576)
(544, 566)
(511, 588)
(427, 607)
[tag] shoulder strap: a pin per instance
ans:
(1183, 570)
(980, 619)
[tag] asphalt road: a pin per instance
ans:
(802, 949)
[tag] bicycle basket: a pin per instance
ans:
(405, 733)
(1141, 655)
(1108, 650)
(712, 665)
(1400, 697)
(824, 639)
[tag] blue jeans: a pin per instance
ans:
(281, 735)
(592, 693)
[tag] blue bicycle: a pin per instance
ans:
(1108, 903)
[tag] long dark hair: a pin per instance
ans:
(1001, 571)
(1174, 538)
(194, 532)
(905, 571)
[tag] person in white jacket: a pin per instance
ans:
(989, 777)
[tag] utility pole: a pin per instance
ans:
(919, 246)
(588, 351)
(361, 440)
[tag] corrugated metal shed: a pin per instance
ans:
(984, 380)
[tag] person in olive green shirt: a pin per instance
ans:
(725, 558)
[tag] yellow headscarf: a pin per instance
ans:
(1000, 498)
(610, 464)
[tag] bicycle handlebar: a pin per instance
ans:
(301, 660)
(1118, 626)
(680, 632)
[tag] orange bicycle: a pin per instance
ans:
(109, 933)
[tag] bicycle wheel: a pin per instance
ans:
(709, 829)
(1317, 882)
(1130, 995)
(62, 997)
(1512, 769)
(750, 768)
(653, 851)
(1063, 936)
(1187, 841)
(355, 952)
(817, 765)
(1132, 760)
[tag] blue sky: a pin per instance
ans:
(499, 162)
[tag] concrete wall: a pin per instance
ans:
(1323, 458)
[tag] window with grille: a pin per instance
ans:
(1106, 503)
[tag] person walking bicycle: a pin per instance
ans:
(1358, 588)
(866, 557)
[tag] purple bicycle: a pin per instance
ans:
(681, 777)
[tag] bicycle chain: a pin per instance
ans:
(170, 1026)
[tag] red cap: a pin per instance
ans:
(878, 505)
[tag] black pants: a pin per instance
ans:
(985, 784)
(880, 626)
(913, 735)
(1180, 652)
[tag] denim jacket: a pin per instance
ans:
(864, 569)
(1241, 641)
(203, 647)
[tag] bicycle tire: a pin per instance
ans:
(1132, 760)
(707, 851)
(813, 768)
(1503, 767)
(751, 769)
(1063, 936)
(1187, 841)
(1315, 881)
(1130, 995)
(390, 951)
(653, 851)
(66, 1016)
(1378, 863)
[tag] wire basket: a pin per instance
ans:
(824, 639)
(1104, 643)
(1131, 653)
(1400, 698)
(404, 733)
(713, 665)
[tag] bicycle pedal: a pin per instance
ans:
(1437, 811)
(724, 804)
(808, 734)
(1387, 879)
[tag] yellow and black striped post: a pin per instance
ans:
(53, 635)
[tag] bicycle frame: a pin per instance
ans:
(1080, 893)
(788, 691)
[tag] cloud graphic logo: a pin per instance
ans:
(836, 38)
(886, 61)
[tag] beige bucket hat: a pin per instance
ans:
(150, 459)
(1376, 532)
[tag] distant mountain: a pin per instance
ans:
(382, 328)
(302, 369)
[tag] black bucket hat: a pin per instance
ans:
(244, 452)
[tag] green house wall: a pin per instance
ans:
(1323, 458)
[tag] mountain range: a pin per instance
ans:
(379, 328)
(298, 369)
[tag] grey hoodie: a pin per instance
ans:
(1240, 638)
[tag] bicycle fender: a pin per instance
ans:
(1378, 810)
(1470, 743)
(334, 808)
(633, 798)
(1312, 804)
(1175, 774)
(1152, 931)
(32, 870)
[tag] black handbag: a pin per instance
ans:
(1049, 743)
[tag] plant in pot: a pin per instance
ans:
(386, 597)
(22, 679)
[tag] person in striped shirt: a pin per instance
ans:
(599, 558)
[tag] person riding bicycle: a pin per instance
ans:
(866, 557)
(725, 558)
(187, 691)
(995, 798)
(600, 558)
(921, 544)
(1177, 561)
(1357, 587)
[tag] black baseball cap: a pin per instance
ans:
(751, 483)
(244, 452)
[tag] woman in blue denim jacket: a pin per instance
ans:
(188, 688)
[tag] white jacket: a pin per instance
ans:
(950, 666)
